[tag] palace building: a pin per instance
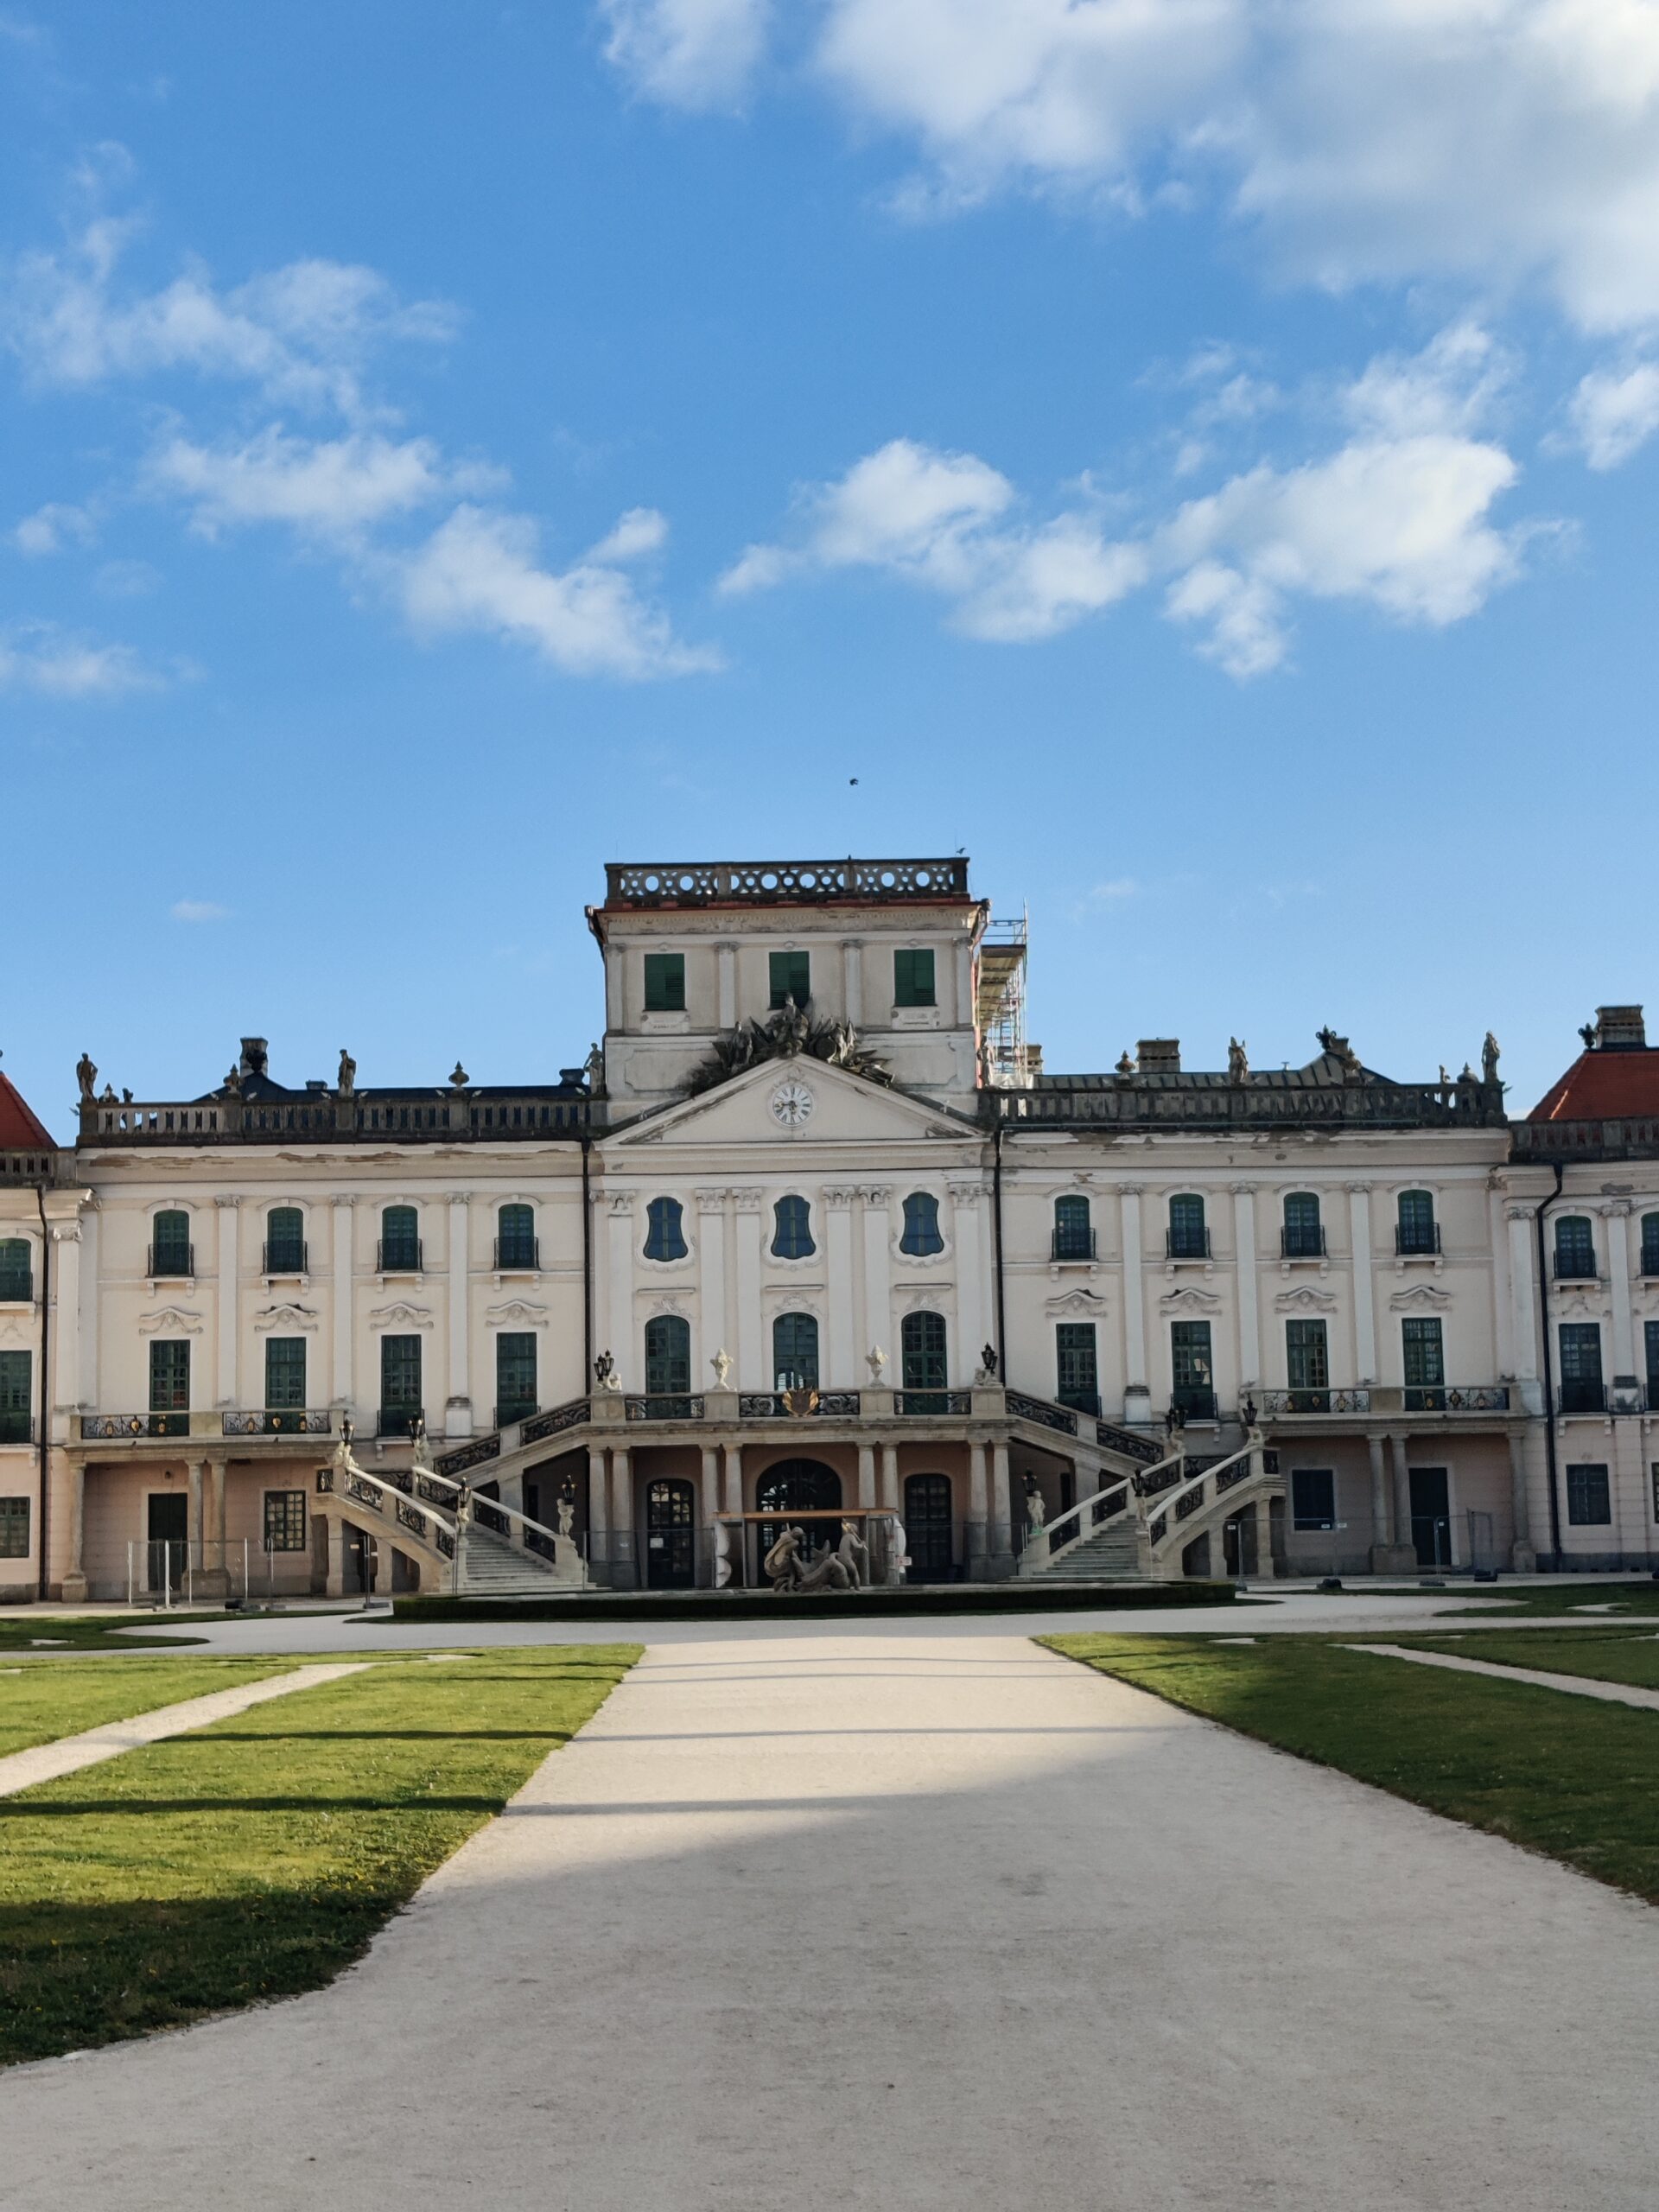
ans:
(813, 1238)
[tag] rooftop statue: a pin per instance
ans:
(1238, 1061)
(1489, 1058)
(347, 1085)
(86, 1075)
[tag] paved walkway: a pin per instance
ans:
(911, 1920)
(45, 1762)
(1577, 1685)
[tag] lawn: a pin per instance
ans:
(41, 1699)
(1565, 1776)
(1565, 1600)
(257, 1859)
(92, 1632)
(1629, 1654)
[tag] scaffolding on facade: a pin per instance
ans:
(1007, 1061)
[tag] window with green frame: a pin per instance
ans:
(515, 1375)
(795, 1352)
(1307, 1356)
(16, 1371)
(922, 1351)
(14, 1527)
(665, 982)
(1424, 1349)
(1077, 1366)
(170, 1375)
(16, 1274)
(285, 1520)
(284, 1241)
(400, 1375)
(912, 977)
(285, 1372)
(169, 1246)
(792, 977)
(1192, 1369)
(668, 1355)
(1651, 1345)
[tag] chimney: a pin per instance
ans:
(1620, 1029)
(1158, 1055)
(254, 1055)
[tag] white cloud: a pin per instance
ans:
(330, 487)
(198, 910)
(1452, 386)
(690, 53)
(36, 656)
(1505, 141)
(480, 572)
(303, 334)
(640, 531)
(1613, 412)
(53, 527)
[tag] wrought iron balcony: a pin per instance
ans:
(1422, 1239)
(664, 1405)
(399, 1422)
(924, 1404)
(1074, 1244)
(281, 1420)
(1042, 1412)
(1302, 1244)
(16, 1428)
(1575, 1267)
(107, 1428)
(1187, 1243)
(1276, 1404)
(555, 1421)
(399, 1255)
(171, 1263)
(798, 1404)
(288, 1255)
(1455, 1398)
(1194, 1404)
(518, 1254)
(1583, 1397)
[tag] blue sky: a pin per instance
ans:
(1200, 459)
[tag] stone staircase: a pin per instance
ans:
(1111, 1554)
(492, 1568)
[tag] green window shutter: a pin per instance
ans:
(16, 1275)
(665, 982)
(515, 1375)
(668, 1355)
(515, 1245)
(400, 1239)
(1076, 1365)
(912, 978)
(285, 1372)
(792, 977)
(922, 1351)
(170, 1253)
(284, 1241)
(400, 1378)
(15, 1401)
(169, 1375)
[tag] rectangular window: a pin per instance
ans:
(171, 1253)
(1424, 1351)
(400, 1381)
(14, 1527)
(1650, 1244)
(912, 979)
(284, 1371)
(1077, 1366)
(1306, 1356)
(284, 1520)
(1654, 1472)
(15, 1401)
(515, 1375)
(1582, 1391)
(16, 1273)
(665, 982)
(1192, 1369)
(792, 977)
(1312, 1497)
(169, 1375)
(1589, 1501)
(1650, 1343)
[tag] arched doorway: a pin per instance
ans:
(670, 1536)
(790, 1486)
(928, 1528)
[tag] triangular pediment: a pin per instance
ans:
(789, 1104)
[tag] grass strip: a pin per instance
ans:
(1562, 1601)
(34, 1633)
(43, 1698)
(1629, 1655)
(1574, 1779)
(258, 1857)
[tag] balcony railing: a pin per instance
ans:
(399, 1422)
(1042, 1412)
(518, 1254)
(287, 1257)
(1307, 1243)
(1456, 1398)
(1575, 1267)
(1276, 1404)
(399, 1255)
(1584, 1397)
(795, 1404)
(555, 1421)
(16, 1428)
(281, 1420)
(107, 1428)
(664, 1405)
(1074, 1244)
(1187, 1243)
(768, 883)
(925, 1404)
(1419, 1240)
(171, 1263)
(1194, 1404)
(17, 1287)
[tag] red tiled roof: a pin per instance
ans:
(1603, 1086)
(19, 1129)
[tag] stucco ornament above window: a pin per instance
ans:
(789, 1034)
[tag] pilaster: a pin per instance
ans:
(227, 1205)
(1359, 1232)
(844, 1369)
(1137, 1393)
(344, 1391)
(458, 1409)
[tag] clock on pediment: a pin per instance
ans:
(791, 1103)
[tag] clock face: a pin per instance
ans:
(792, 1104)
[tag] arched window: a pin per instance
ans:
(1188, 1237)
(1417, 1230)
(169, 1251)
(1303, 1236)
(795, 1352)
(1650, 1244)
(1575, 1248)
(16, 1275)
(400, 1241)
(792, 1238)
(515, 1238)
(921, 1234)
(668, 1355)
(284, 1241)
(922, 1358)
(1074, 1236)
(664, 1238)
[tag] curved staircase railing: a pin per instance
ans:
(417, 1496)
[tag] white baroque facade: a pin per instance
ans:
(808, 1234)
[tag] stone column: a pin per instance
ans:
(73, 1589)
(844, 1370)
(867, 1475)
(733, 1477)
(193, 1470)
(226, 1204)
(1265, 1569)
(87, 1384)
(63, 1385)
(974, 1532)
(624, 1568)
(973, 1326)
(1382, 1536)
(711, 1282)
(214, 1580)
(1001, 1522)
(344, 1392)
(753, 1353)
(458, 1409)
(1523, 1319)
(1359, 1230)
(877, 1307)
(1524, 1559)
(1249, 1328)
(889, 1496)
(1404, 1547)
(725, 972)
(711, 1501)
(599, 1519)
(1617, 1215)
(1137, 1392)
(619, 1267)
